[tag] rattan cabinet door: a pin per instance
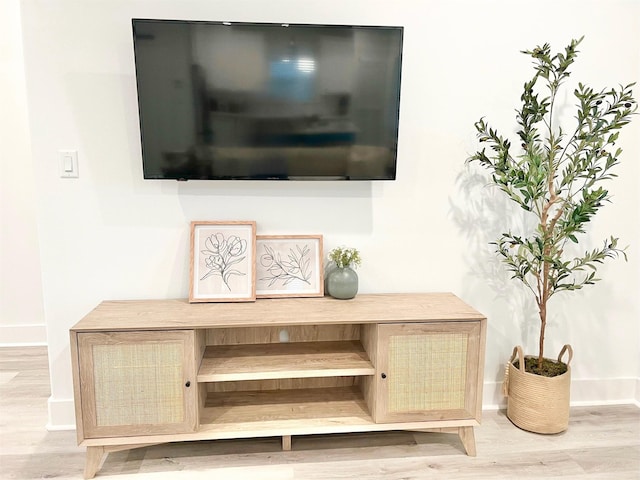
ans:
(428, 371)
(137, 383)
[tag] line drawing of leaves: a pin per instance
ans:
(297, 267)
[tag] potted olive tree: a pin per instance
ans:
(558, 176)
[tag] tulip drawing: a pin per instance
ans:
(221, 254)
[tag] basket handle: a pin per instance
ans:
(566, 348)
(505, 383)
(518, 351)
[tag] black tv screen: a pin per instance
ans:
(249, 101)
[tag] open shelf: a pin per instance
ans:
(227, 363)
(298, 411)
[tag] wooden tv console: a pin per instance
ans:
(156, 371)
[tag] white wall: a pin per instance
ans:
(110, 234)
(21, 308)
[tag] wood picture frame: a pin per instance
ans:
(289, 266)
(223, 265)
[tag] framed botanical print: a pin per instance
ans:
(289, 266)
(223, 266)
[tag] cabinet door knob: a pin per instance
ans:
(384, 375)
(188, 384)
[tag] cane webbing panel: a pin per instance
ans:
(427, 372)
(138, 384)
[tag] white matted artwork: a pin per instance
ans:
(289, 266)
(223, 262)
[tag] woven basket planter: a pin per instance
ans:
(536, 403)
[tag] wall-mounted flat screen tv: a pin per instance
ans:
(258, 101)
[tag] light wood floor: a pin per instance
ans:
(601, 443)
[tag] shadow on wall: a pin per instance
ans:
(480, 213)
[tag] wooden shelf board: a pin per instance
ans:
(290, 410)
(278, 428)
(364, 308)
(284, 360)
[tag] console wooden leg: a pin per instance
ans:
(286, 442)
(97, 455)
(95, 458)
(468, 440)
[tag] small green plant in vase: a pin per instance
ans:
(345, 257)
(557, 176)
(342, 281)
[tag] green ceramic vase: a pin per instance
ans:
(342, 283)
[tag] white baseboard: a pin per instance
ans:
(62, 414)
(584, 392)
(23, 335)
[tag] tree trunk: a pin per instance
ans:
(543, 325)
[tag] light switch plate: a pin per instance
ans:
(68, 163)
